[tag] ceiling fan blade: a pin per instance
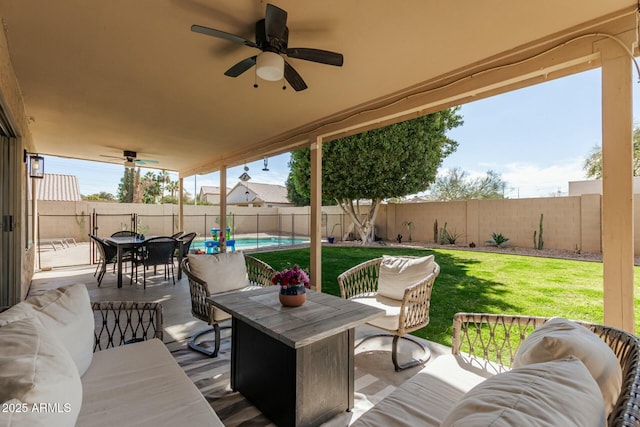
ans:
(316, 55)
(222, 35)
(112, 157)
(275, 22)
(241, 67)
(146, 162)
(293, 78)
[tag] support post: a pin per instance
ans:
(223, 209)
(180, 204)
(316, 215)
(617, 182)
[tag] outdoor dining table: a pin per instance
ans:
(295, 364)
(132, 242)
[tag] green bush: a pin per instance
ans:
(497, 240)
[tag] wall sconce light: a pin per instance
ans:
(36, 165)
(266, 164)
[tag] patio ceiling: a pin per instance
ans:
(98, 78)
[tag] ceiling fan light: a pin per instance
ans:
(270, 66)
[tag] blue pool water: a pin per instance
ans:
(256, 242)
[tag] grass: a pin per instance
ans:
(480, 282)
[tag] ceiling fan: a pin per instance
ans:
(272, 38)
(131, 160)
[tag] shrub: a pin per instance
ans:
(497, 240)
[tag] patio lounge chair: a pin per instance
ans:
(218, 273)
(399, 285)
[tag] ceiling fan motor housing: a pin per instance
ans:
(130, 155)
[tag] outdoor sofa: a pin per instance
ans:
(521, 370)
(65, 361)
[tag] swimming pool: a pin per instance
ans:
(256, 242)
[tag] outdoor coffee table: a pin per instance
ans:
(295, 364)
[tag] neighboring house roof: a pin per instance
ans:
(210, 189)
(266, 193)
(62, 188)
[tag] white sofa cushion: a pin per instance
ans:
(559, 338)
(141, 384)
(66, 314)
(37, 373)
(426, 398)
(398, 273)
(223, 272)
(557, 393)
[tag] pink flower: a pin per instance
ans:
(291, 277)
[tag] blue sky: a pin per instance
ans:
(537, 138)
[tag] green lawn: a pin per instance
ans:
(480, 282)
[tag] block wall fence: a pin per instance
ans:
(570, 223)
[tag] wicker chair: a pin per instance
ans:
(404, 315)
(258, 274)
(496, 337)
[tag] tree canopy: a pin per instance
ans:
(149, 188)
(457, 185)
(392, 161)
(593, 163)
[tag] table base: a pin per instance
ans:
(293, 387)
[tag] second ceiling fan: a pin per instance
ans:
(272, 38)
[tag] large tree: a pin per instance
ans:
(136, 189)
(393, 161)
(593, 164)
(457, 185)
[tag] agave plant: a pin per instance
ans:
(497, 240)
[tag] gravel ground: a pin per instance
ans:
(513, 250)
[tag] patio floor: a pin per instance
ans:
(375, 377)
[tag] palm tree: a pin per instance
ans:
(163, 178)
(172, 186)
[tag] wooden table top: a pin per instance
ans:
(321, 316)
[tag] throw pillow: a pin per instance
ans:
(398, 273)
(558, 393)
(38, 377)
(66, 314)
(559, 338)
(223, 272)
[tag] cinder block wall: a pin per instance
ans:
(569, 223)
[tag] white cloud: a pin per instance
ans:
(531, 180)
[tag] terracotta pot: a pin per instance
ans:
(292, 296)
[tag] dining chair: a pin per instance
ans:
(156, 251)
(186, 243)
(125, 233)
(108, 255)
(178, 234)
(128, 252)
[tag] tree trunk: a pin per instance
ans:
(139, 187)
(364, 225)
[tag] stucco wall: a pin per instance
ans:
(569, 223)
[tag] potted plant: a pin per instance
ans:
(293, 284)
(330, 237)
